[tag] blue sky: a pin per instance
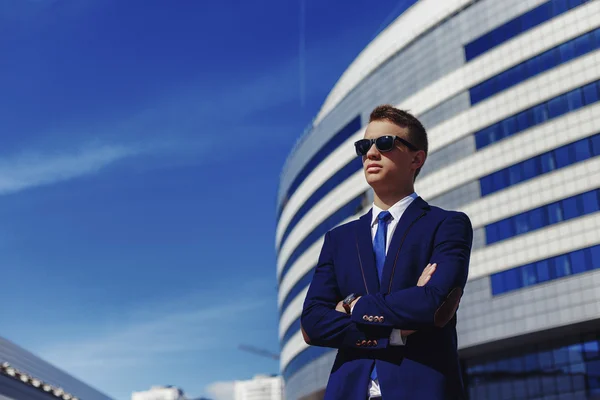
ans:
(141, 147)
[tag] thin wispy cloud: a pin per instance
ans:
(151, 336)
(31, 169)
(155, 336)
(35, 15)
(198, 135)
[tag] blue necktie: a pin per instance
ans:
(379, 250)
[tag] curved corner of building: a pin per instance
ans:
(509, 91)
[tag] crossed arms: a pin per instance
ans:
(419, 307)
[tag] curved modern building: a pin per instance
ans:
(509, 91)
(24, 376)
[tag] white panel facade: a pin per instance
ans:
(488, 317)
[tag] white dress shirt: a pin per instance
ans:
(396, 211)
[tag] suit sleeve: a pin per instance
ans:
(321, 324)
(434, 304)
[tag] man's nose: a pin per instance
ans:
(373, 152)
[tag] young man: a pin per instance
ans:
(387, 286)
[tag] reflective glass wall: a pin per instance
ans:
(564, 369)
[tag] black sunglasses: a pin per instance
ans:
(383, 144)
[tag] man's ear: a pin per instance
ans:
(419, 159)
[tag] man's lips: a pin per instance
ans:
(373, 167)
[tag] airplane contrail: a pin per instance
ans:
(301, 52)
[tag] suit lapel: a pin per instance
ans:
(366, 256)
(415, 210)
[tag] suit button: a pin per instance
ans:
(365, 317)
(358, 343)
(381, 319)
(374, 342)
(376, 319)
(369, 343)
(363, 343)
(370, 318)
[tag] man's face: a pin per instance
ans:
(392, 168)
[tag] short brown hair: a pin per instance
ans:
(416, 132)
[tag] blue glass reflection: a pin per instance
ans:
(575, 262)
(518, 25)
(542, 62)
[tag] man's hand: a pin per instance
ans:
(423, 279)
(426, 275)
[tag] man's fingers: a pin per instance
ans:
(426, 275)
(426, 270)
(429, 269)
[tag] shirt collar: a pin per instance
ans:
(396, 210)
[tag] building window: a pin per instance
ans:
(549, 214)
(538, 114)
(572, 263)
(542, 62)
(568, 368)
(560, 157)
(518, 25)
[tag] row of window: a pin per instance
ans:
(347, 210)
(538, 114)
(333, 143)
(524, 22)
(574, 262)
(340, 176)
(568, 367)
(300, 285)
(549, 214)
(302, 359)
(560, 157)
(293, 328)
(542, 62)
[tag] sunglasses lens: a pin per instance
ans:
(362, 147)
(385, 143)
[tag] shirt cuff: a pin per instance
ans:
(396, 338)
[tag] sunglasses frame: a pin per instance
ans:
(374, 141)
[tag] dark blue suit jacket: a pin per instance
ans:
(427, 367)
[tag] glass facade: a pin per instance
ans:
(293, 329)
(568, 368)
(301, 284)
(558, 158)
(503, 306)
(541, 63)
(549, 214)
(340, 176)
(513, 28)
(302, 359)
(539, 114)
(339, 138)
(574, 262)
(331, 222)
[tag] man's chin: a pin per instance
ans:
(375, 180)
